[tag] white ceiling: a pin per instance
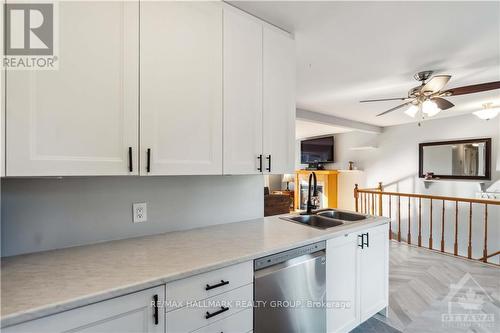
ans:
(349, 51)
(307, 129)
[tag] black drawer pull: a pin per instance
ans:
(155, 314)
(367, 244)
(222, 283)
(130, 166)
(269, 159)
(210, 315)
(260, 163)
(362, 245)
(148, 157)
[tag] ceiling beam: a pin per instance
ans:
(322, 118)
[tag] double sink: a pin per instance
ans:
(325, 219)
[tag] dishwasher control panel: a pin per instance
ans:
(277, 258)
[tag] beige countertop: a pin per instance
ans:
(44, 283)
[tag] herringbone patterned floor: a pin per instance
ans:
(433, 292)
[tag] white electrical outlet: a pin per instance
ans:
(140, 212)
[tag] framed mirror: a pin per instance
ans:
(458, 159)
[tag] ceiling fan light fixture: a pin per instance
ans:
(428, 96)
(488, 112)
(412, 111)
(430, 108)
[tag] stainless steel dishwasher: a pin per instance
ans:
(290, 290)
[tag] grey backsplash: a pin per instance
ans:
(42, 214)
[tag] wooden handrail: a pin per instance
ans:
(369, 189)
(436, 197)
(365, 202)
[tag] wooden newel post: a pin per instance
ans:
(380, 188)
(356, 197)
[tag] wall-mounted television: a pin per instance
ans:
(317, 151)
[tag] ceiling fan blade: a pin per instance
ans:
(436, 83)
(442, 103)
(394, 109)
(385, 99)
(475, 88)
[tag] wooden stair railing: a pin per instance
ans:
(370, 201)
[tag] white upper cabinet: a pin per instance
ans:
(259, 96)
(81, 119)
(155, 88)
(181, 88)
(242, 93)
(279, 101)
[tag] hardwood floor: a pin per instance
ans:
(432, 292)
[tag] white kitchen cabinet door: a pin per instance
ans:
(374, 271)
(133, 313)
(181, 87)
(242, 93)
(358, 275)
(279, 101)
(342, 282)
(82, 118)
(2, 105)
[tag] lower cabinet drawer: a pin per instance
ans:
(208, 284)
(205, 312)
(241, 322)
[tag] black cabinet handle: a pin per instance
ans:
(155, 313)
(362, 245)
(148, 164)
(260, 163)
(130, 167)
(222, 283)
(210, 315)
(269, 159)
(367, 240)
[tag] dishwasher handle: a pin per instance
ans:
(280, 257)
(319, 255)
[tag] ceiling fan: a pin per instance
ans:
(428, 96)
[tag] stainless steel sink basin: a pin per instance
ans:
(327, 218)
(316, 221)
(344, 216)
